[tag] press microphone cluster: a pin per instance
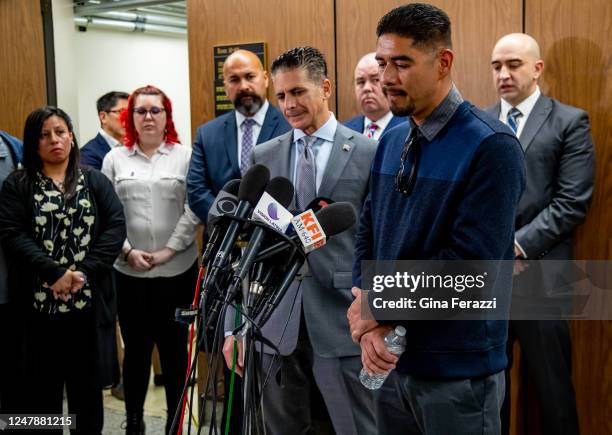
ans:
(248, 246)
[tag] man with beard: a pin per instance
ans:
(222, 148)
(376, 117)
(222, 151)
(444, 186)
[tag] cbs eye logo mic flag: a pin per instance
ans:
(225, 203)
(309, 231)
(270, 212)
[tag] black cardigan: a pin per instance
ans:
(27, 261)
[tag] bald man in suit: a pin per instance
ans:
(559, 159)
(376, 117)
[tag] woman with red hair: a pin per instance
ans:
(157, 269)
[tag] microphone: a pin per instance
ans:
(318, 203)
(271, 210)
(311, 229)
(251, 188)
(225, 203)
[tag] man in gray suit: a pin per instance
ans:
(559, 160)
(322, 158)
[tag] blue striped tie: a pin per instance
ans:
(513, 115)
(305, 179)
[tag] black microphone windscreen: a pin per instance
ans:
(253, 184)
(318, 203)
(336, 218)
(281, 189)
(232, 186)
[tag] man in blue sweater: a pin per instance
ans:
(445, 186)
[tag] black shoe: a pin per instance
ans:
(158, 380)
(117, 391)
(135, 424)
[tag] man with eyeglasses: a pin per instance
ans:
(443, 187)
(111, 131)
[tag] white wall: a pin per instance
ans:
(103, 60)
(65, 59)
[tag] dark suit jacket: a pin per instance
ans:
(560, 166)
(92, 154)
(214, 158)
(14, 145)
(357, 123)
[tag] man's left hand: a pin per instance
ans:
(358, 326)
(374, 355)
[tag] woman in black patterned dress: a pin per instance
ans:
(62, 227)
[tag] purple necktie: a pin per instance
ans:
(247, 144)
(305, 181)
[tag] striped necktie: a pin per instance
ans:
(513, 115)
(371, 129)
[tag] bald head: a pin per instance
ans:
(517, 66)
(241, 57)
(520, 43)
(368, 90)
(245, 81)
(367, 61)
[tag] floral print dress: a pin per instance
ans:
(62, 228)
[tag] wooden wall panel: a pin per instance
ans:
(282, 24)
(476, 25)
(577, 49)
(23, 84)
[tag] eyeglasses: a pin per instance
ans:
(405, 184)
(116, 111)
(154, 111)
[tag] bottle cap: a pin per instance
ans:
(400, 330)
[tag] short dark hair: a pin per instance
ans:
(308, 58)
(107, 101)
(32, 130)
(427, 25)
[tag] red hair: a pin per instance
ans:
(127, 116)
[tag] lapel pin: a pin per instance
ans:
(346, 147)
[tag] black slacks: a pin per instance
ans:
(146, 309)
(546, 347)
(61, 351)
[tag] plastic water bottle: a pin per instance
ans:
(395, 342)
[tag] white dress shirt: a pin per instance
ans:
(111, 141)
(382, 124)
(321, 149)
(525, 107)
(259, 118)
(153, 194)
